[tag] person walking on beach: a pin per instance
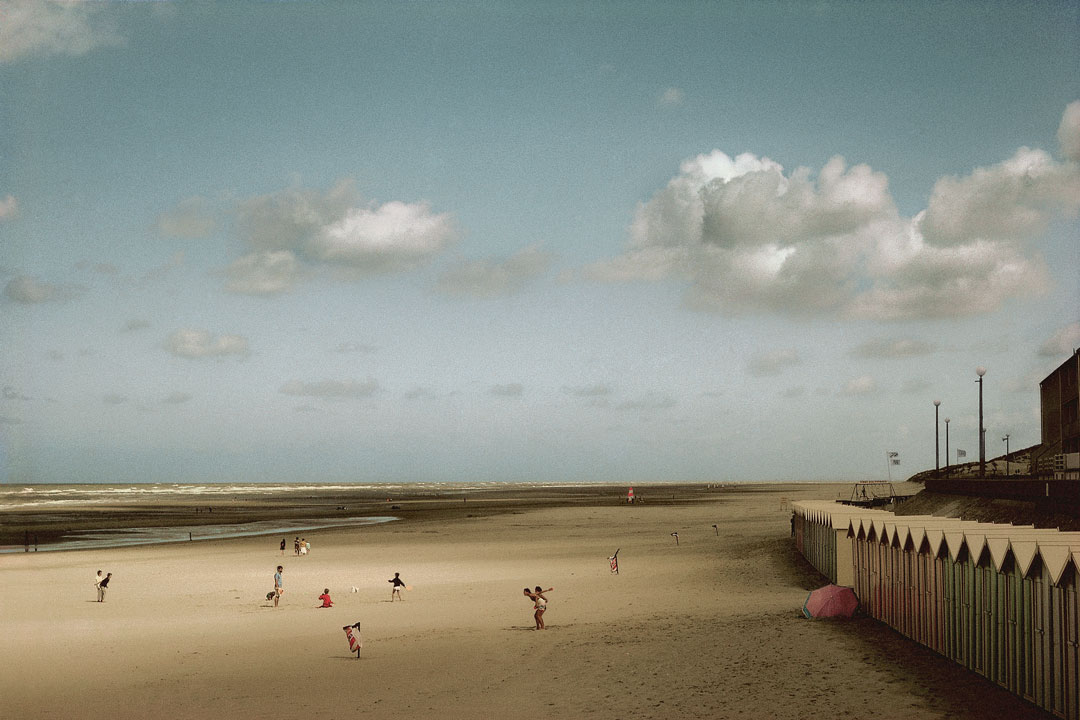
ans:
(282, 547)
(397, 583)
(279, 584)
(103, 586)
(539, 604)
(97, 586)
(296, 546)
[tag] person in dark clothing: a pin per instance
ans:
(398, 583)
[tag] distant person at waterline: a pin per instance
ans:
(279, 584)
(283, 547)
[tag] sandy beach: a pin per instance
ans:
(706, 628)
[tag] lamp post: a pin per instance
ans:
(946, 446)
(980, 371)
(937, 436)
(1006, 441)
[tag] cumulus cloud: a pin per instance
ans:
(878, 348)
(27, 290)
(52, 28)
(748, 236)
(270, 272)
(773, 362)
(9, 207)
(331, 388)
(1063, 342)
(863, 385)
(192, 218)
(197, 343)
(1069, 132)
(495, 277)
(508, 390)
(336, 229)
(1012, 201)
(294, 231)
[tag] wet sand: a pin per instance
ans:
(706, 628)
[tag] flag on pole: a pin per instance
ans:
(614, 560)
(961, 453)
(893, 454)
(896, 461)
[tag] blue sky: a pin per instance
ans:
(529, 241)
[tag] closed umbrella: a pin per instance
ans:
(831, 601)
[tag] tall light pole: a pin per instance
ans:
(937, 436)
(980, 371)
(1006, 441)
(946, 446)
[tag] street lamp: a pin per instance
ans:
(980, 371)
(1006, 441)
(946, 446)
(937, 435)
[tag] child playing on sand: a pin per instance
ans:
(325, 597)
(398, 583)
(539, 604)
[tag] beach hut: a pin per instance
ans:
(1002, 600)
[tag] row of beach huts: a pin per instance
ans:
(1001, 600)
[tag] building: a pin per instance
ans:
(1059, 401)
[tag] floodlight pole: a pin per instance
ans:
(937, 436)
(980, 371)
(1006, 441)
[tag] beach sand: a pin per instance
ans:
(708, 628)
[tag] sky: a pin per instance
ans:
(551, 242)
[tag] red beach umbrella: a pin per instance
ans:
(831, 601)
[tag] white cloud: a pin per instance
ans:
(390, 237)
(877, 348)
(1012, 201)
(773, 362)
(672, 96)
(192, 218)
(863, 385)
(336, 229)
(747, 236)
(195, 343)
(9, 207)
(1069, 132)
(52, 28)
(495, 277)
(1063, 342)
(270, 272)
(508, 390)
(331, 388)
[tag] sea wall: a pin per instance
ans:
(1001, 600)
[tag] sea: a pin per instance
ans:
(62, 497)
